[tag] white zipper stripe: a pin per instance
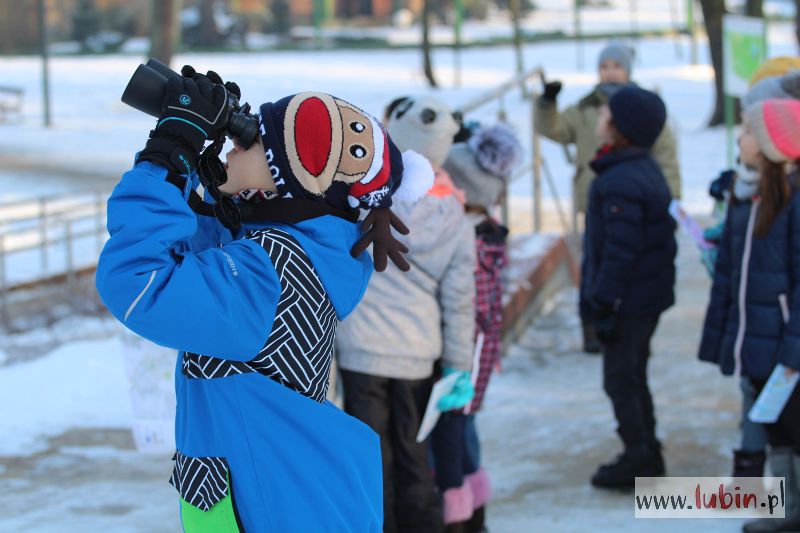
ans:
(748, 248)
(141, 294)
(784, 302)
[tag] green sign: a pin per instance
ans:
(744, 49)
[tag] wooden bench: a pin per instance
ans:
(10, 101)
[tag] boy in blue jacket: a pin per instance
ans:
(253, 310)
(630, 272)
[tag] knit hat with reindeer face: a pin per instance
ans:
(325, 149)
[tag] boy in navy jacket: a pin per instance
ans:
(629, 264)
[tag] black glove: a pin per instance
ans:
(722, 184)
(551, 90)
(605, 322)
(195, 109)
(378, 227)
(231, 86)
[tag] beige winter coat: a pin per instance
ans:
(577, 124)
(408, 320)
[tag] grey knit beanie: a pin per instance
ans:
(619, 52)
(482, 166)
(791, 84)
(764, 89)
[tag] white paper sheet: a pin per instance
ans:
(441, 388)
(773, 398)
(476, 366)
(689, 224)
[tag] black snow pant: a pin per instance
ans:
(394, 409)
(452, 458)
(625, 381)
(785, 432)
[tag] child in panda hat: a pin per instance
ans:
(480, 167)
(254, 314)
(387, 348)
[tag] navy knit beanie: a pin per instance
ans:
(638, 114)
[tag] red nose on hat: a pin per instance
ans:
(313, 134)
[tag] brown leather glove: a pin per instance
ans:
(378, 232)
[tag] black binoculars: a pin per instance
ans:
(145, 92)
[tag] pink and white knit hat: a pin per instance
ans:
(776, 126)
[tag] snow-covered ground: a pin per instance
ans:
(67, 460)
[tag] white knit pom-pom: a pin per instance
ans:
(417, 178)
(496, 149)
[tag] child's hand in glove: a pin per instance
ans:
(462, 392)
(378, 231)
(605, 322)
(195, 109)
(709, 258)
(714, 233)
(551, 90)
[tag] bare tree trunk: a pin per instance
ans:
(754, 8)
(209, 34)
(712, 16)
(164, 29)
(426, 43)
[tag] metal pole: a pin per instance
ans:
(673, 16)
(729, 125)
(100, 227)
(43, 233)
(504, 216)
(317, 9)
(459, 15)
(537, 172)
(578, 34)
(68, 247)
(45, 75)
(3, 285)
(516, 14)
(692, 37)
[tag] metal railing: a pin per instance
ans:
(537, 166)
(50, 237)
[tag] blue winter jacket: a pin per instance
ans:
(294, 464)
(753, 318)
(630, 236)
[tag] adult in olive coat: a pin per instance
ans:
(577, 123)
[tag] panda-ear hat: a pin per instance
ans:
(423, 124)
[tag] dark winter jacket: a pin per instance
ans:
(753, 318)
(630, 242)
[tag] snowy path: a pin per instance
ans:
(547, 423)
(546, 426)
